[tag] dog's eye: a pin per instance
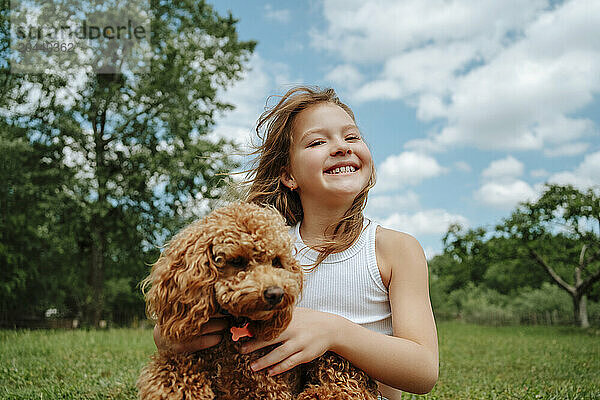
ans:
(276, 262)
(218, 259)
(238, 262)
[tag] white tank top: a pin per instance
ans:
(347, 283)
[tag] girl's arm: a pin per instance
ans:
(407, 361)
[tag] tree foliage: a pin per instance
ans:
(554, 240)
(479, 256)
(572, 218)
(102, 167)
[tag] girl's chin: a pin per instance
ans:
(342, 193)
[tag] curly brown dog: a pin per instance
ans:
(238, 261)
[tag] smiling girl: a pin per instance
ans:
(366, 293)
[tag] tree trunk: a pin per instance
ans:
(98, 233)
(97, 276)
(582, 313)
(577, 291)
(581, 307)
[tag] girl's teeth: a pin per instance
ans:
(338, 170)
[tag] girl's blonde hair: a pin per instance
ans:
(274, 129)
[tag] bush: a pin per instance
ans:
(482, 305)
(548, 305)
(473, 303)
(594, 313)
(124, 302)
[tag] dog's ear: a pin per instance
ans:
(181, 298)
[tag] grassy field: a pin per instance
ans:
(477, 362)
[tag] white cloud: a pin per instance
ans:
(539, 173)
(345, 75)
(499, 75)
(501, 188)
(429, 69)
(586, 175)
(435, 221)
(386, 204)
(462, 166)
(373, 31)
(248, 95)
(505, 168)
(505, 195)
(430, 106)
(281, 16)
(407, 168)
(384, 89)
(516, 102)
(569, 149)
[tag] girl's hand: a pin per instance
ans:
(310, 334)
(210, 335)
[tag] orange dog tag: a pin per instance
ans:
(238, 333)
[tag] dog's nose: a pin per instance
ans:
(273, 295)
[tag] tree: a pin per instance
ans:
(34, 247)
(569, 216)
(38, 246)
(135, 143)
(469, 255)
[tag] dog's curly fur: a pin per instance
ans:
(225, 263)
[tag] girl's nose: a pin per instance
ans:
(341, 150)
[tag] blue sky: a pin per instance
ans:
(468, 107)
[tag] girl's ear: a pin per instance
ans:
(287, 179)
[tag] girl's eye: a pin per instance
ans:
(353, 137)
(316, 143)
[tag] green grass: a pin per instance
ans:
(477, 362)
(52, 365)
(526, 362)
